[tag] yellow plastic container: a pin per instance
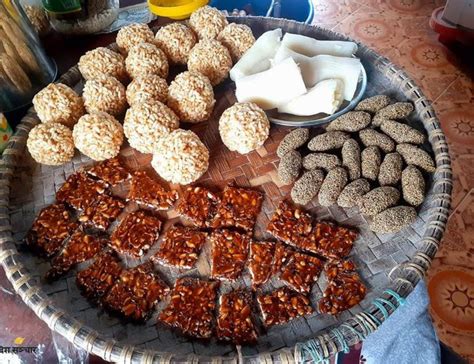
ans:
(175, 9)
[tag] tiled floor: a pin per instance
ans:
(399, 30)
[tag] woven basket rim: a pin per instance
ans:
(404, 277)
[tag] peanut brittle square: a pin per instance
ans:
(97, 279)
(239, 207)
(290, 224)
(344, 290)
(137, 233)
(330, 240)
(301, 271)
(102, 212)
(180, 247)
(80, 191)
(191, 308)
(136, 293)
(261, 262)
(53, 225)
(234, 321)
(146, 191)
(229, 254)
(111, 171)
(283, 305)
(78, 249)
(198, 204)
(283, 254)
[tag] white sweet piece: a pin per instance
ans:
(312, 47)
(325, 97)
(257, 58)
(272, 88)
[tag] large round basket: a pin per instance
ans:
(391, 265)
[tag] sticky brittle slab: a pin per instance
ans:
(53, 225)
(234, 320)
(78, 249)
(283, 305)
(103, 212)
(344, 290)
(146, 191)
(239, 208)
(136, 293)
(80, 191)
(229, 251)
(137, 233)
(301, 272)
(180, 247)
(111, 171)
(261, 262)
(191, 308)
(198, 204)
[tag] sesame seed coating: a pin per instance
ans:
(402, 133)
(207, 22)
(104, 94)
(51, 144)
(293, 140)
(390, 169)
(102, 61)
(210, 58)
(147, 88)
(373, 137)
(321, 160)
(146, 59)
(378, 199)
(351, 158)
(332, 186)
(133, 34)
(307, 186)
(237, 38)
(398, 110)
(289, 167)
(191, 97)
(327, 141)
(416, 156)
(351, 121)
(373, 104)
(371, 158)
(393, 219)
(353, 192)
(176, 40)
(413, 186)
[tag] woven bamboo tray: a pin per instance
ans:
(390, 265)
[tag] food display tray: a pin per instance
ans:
(390, 265)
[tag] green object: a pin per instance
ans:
(61, 7)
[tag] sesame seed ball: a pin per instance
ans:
(207, 22)
(212, 59)
(238, 38)
(191, 97)
(98, 136)
(145, 123)
(146, 59)
(58, 103)
(180, 157)
(244, 127)
(133, 34)
(104, 94)
(293, 140)
(393, 219)
(147, 88)
(102, 61)
(176, 40)
(51, 144)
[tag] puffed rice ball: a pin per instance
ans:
(212, 59)
(147, 88)
(58, 103)
(51, 144)
(244, 127)
(176, 40)
(146, 59)
(104, 94)
(102, 62)
(98, 136)
(191, 97)
(146, 123)
(207, 22)
(180, 157)
(238, 38)
(133, 34)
